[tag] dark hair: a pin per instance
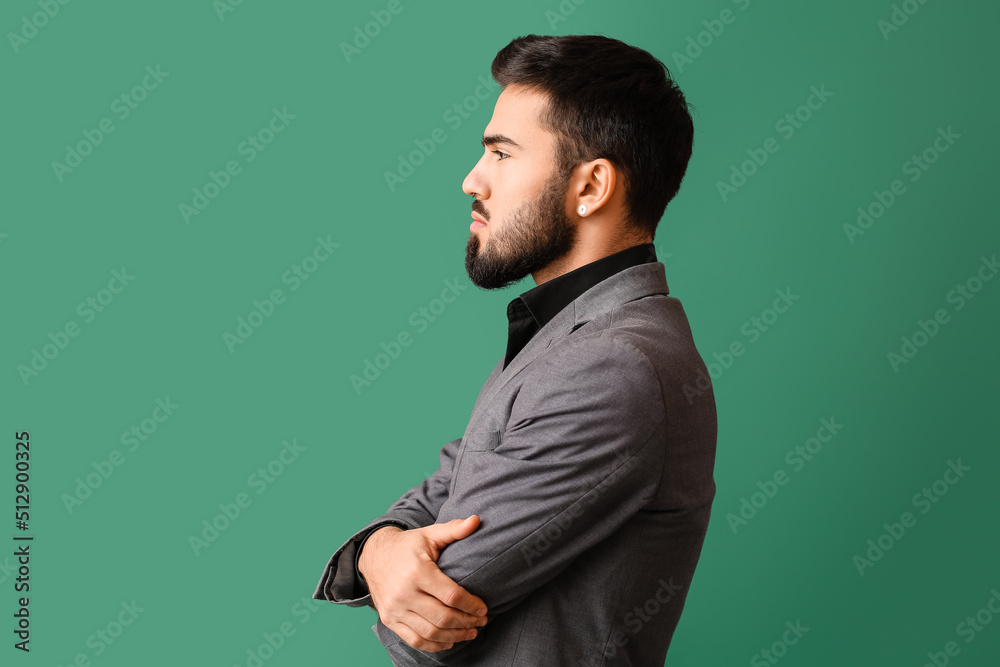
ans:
(613, 101)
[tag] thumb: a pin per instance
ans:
(456, 529)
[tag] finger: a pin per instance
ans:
(441, 586)
(442, 616)
(456, 529)
(429, 629)
(408, 635)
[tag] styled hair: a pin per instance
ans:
(613, 101)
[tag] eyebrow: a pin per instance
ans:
(499, 139)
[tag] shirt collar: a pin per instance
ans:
(546, 300)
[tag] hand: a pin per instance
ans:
(414, 598)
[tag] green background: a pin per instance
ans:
(323, 176)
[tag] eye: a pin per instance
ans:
(502, 154)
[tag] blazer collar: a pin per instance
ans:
(627, 285)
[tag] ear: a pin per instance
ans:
(593, 185)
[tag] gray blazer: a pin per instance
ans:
(589, 461)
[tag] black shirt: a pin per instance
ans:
(532, 310)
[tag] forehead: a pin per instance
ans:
(517, 115)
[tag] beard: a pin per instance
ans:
(532, 237)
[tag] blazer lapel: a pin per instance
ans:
(627, 285)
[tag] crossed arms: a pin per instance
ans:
(577, 459)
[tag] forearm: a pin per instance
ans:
(340, 582)
(369, 548)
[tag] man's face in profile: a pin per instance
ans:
(519, 194)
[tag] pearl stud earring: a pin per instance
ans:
(582, 210)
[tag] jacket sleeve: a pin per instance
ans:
(418, 507)
(582, 453)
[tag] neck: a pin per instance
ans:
(584, 252)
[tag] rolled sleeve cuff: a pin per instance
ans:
(341, 582)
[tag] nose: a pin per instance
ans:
(474, 183)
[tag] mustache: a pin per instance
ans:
(480, 208)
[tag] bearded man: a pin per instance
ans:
(564, 526)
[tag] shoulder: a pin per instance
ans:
(604, 365)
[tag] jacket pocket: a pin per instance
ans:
(481, 441)
(472, 442)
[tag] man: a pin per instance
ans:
(564, 527)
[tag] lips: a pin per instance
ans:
(478, 219)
